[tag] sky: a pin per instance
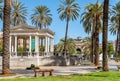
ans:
(75, 27)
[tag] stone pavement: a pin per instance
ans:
(59, 70)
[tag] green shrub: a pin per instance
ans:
(1, 48)
(33, 50)
(20, 49)
(32, 67)
(118, 59)
(41, 48)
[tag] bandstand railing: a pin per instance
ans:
(30, 54)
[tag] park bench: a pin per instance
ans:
(118, 68)
(43, 71)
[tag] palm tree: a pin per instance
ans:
(68, 11)
(18, 13)
(6, 30)
(115, 26)
(89, 25)
(70, 46)
(41, 17)
(1, 10)
(105, 32)
(98, 9)
(92, 20)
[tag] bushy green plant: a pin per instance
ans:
(27, 49)
(100, 50)
(118, 59)
(110, 49)
(1, 48)
(32, 67)
(20, 49)
(41, 48)
(33, 50)
(70, 46)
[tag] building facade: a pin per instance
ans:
(28, 39)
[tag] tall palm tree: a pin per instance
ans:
(89, 25)
(6, 30)
(98, 9)
(18, 13)
(41, 17)
(105, 32)
(1, 10)
(115, 26)
(92, 20)
(68, 11)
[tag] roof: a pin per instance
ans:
(24, 28)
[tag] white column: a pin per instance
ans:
(46, 39)
(30, 44)
(40, 41)
(36, 44)
(51, 45)
(10, 46)
(43, 41)
(16, 45)
(48, 46)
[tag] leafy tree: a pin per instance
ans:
(110, 49)
(70, 46)
(18, 13)
(68, 10)
(100, 50)
(41, 17)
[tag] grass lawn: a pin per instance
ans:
(98, 76)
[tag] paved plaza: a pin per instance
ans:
(58, 70)
(61, 70)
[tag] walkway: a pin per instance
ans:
(60, 70)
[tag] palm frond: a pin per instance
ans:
(18, 13)
(41, 17)
(68, 9)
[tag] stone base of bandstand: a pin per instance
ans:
(27, 61)
(48, 60)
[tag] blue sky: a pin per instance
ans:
(58, 26)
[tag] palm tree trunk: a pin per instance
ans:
(40, 24)
(119, 38)
(65, 49)
(116, 46)
(105, 35)
(92, 43)
(6, 30)
(96, 50)
(92, 48)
